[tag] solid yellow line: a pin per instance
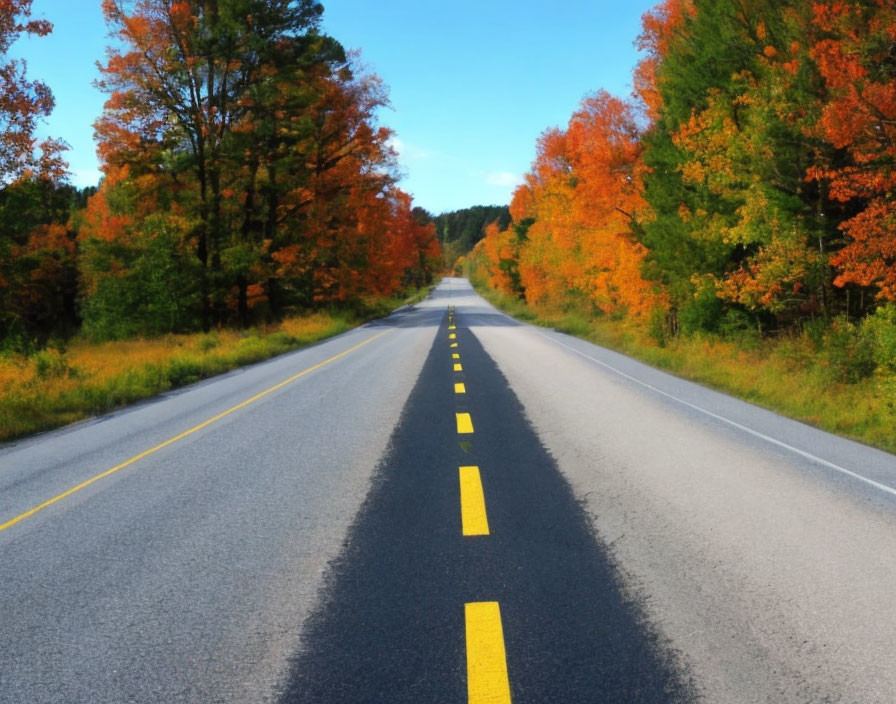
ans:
(459, 388)
(464, 423)
(455, 355)
(145, 453)
(487, 681)
(458, 367)
(452, 336)
(472, 502)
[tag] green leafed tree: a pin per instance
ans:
(738, 221)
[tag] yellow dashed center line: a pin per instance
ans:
(474, 518)
(464, 423)
(487, 681)
(170, 441)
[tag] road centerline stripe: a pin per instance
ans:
(460, 388)
(458, 367)
(181, 436)
(474, 518)
(487, 681)
(464, 423)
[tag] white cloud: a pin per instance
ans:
(408, 152)
(504, 179)
(396, 144)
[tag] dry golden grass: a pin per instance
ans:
(53, 388)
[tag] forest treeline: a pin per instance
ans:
(460, 230)
(747, 186)
(245, 177)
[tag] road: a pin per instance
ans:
(446, 505)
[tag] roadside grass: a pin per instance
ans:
(786, 375)
(56, 387)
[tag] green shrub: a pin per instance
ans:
(147, 287)
(183, 370)
(880, 330)
(657, 327)
(848, 351)
(814, 329)
(282, 340)
(702, 313)
(209, 341)
(737, 324)
(51, 364)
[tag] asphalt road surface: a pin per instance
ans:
(446, 506)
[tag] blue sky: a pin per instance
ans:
(473, 82)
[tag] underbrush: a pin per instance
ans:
(54, 387)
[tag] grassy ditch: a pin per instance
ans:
(797, 376)
(54, 387)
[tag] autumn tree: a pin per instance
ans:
(37, 270)
(258, 134)
(38, 274)
(139, 274)
(574, 219)
(857, 62)
(500, 250)
(188, 79)
(732, 154)
(23, 101)
(669, 81)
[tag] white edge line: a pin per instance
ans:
(802, 453)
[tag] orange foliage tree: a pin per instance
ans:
(257, 135)
(37, 250)
(856, 60)
(576, 215)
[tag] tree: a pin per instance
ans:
(37, 273)
(732, 155)
(138, 272)
(23, 102)
(857, 62)
(190, 77)
(260, 135)
(575, 217)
